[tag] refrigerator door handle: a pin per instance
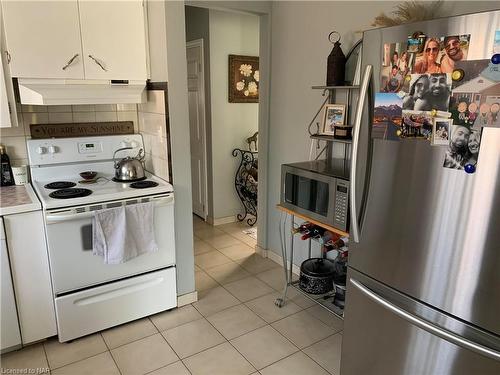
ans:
(363, 93)
(425, 325)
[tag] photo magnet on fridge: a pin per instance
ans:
(463, 147)
(387, 116)
(479, 93)
(428, 92)
(441, 131)
(416, 124)
(394, 67)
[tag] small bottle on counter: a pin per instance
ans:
(7, 177)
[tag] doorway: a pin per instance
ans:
(219, 126)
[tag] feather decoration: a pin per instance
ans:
(409, 11)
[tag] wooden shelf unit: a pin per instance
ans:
(316, 222)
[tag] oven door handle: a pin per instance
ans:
(53, 218)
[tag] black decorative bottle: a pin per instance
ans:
(6, 178)
(335, 69)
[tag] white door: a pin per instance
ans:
(114, 39)
(43, 39)
(196, 98)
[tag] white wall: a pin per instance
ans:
(231, 123)
(299, 50)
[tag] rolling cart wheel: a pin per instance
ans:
(279, 302)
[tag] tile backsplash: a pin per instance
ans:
(15, 138)
(152, 117)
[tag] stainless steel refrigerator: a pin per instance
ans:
(423, 289)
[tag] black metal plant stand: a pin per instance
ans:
(245, 182)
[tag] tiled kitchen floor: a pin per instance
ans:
(234, 328)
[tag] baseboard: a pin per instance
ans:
(186, 299)
(279, 259)
(262, 252)
(222, 220)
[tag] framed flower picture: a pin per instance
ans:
(243, 79)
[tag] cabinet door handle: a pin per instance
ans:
(70, 61)
(7, 55)
(98, 63)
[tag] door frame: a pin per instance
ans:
(261, 9)
(190, 44)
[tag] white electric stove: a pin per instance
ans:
(89, 295)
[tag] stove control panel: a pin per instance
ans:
(89, 147)
(82, 149)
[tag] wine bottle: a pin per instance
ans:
(7, 177)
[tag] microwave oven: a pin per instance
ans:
(319, 190)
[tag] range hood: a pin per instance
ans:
(66, 91)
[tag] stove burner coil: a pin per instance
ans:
(70, 193)
(60, 185)
(143, 184)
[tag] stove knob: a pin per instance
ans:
(52, 149)
(41, 150)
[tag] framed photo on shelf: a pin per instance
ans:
(333, 116)
(441, 128)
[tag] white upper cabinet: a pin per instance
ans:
(76, 39)
(43, 39)
(114, 39)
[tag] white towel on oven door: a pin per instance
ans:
(123, 233)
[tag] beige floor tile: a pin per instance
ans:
(226, 273)
(237, 251)
(263, 346)
(231, 228)
(175, 317)
(30, 357)
(220, 360)
(193, 337)
(224, 240)
(62, 354)
(176, 368)
(201, 247)
(275, 278)
(144, 355)
(296, 364)
(299, 299)
(326, 317)
(214, 300)
(209, 232)
(303, 329)
(100, 364)
(211, 259)
(203, 282)
(256, 263)
(248, 288)
(264, 307)
(235, 321)
(327, 353)
(128, 332)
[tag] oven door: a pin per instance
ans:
(73, 266)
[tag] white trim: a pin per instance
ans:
(279, 259)
(192, 44)
(186, 299)
(222, 220)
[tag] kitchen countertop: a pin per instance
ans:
(18, 199)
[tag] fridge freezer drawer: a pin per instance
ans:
(383, 336)
(95, 309)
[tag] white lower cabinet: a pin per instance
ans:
(10, 336)
(31, 276)
(95, 309)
